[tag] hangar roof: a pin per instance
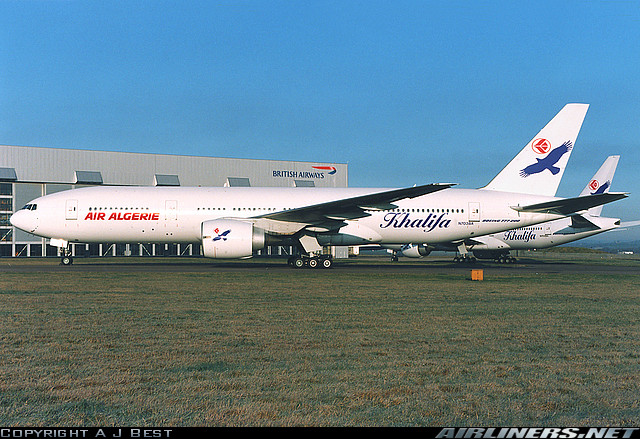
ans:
(76, 166)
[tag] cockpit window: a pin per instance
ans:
(30, 207)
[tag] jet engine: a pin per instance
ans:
(230, 239)
(415, 250)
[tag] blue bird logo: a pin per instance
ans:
(548, 162)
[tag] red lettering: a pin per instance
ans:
(129, 216)
(89, 216)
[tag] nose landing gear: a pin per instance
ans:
(65, 256)
(64, 251)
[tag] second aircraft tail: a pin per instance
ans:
(601, 181)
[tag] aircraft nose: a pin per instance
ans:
(24, 220)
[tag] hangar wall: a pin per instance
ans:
(30, 172)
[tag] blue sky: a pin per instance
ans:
(405, 92)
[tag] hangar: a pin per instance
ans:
(29, 172)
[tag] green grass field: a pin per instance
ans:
(282, 347)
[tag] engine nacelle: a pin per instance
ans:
(230, 239)
(415, 250)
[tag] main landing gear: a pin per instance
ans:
(464, 260)
(323, 261)
(506, 259)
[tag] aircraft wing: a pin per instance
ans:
(332, 214)
(568, 206)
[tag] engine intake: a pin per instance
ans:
(415, 250)
(230, 239)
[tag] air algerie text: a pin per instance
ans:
(119, 216)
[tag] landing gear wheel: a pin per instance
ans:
(66, 260)
(307, 262)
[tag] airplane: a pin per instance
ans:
(233, 222)
(561, 231)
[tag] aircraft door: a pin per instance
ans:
(547, 229)
(71, 210)
(474, 212)
(171, 210)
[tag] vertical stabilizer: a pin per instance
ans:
(601, 181)
(538, 168)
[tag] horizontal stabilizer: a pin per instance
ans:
(581, 222)
(566, 206)
(630, 224)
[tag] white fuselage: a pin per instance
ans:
(545, 235)
(163, 214)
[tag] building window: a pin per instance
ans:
(88, 177)
(166, 180)
(6, 189)
(8, 174)
(6, 235)
(237, 182)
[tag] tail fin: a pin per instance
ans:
(538, 168)
(601, 181)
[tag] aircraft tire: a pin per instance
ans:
(313, 263)
(327, 263)
(66, 260)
